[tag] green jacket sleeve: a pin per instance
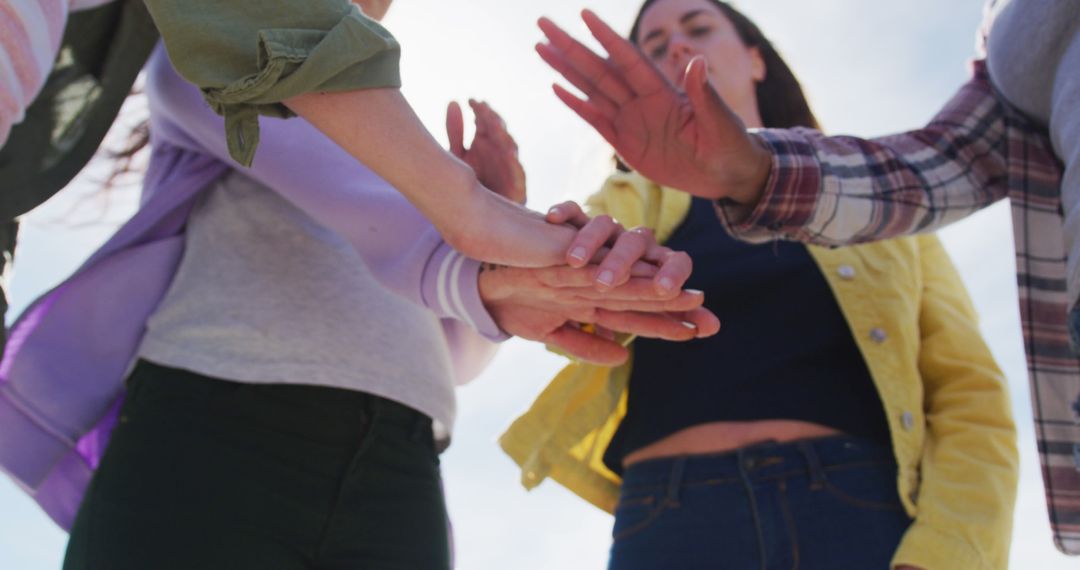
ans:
(248, 56)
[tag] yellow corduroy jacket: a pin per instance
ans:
(945, 398)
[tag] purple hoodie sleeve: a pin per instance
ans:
(403, 249)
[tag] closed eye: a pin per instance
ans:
(658, 51)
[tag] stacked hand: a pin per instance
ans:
(550, 305)
(617, 280)
(688, 140)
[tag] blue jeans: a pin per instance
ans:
(828, 503)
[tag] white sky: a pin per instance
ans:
(870, 68)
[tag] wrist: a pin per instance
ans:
(459, 216)
(490, 285)
(751, 187)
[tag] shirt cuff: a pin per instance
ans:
(357, 53)
(791, 191)
(450, 289)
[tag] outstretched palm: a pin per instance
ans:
(690, 141)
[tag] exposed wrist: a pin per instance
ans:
(458, 218)
(491, 286)
(759, 165)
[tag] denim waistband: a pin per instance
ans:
(812, 457)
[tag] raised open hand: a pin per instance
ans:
(493, 154)
(687, 140)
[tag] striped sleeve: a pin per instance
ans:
(449, 289)
(30, 33)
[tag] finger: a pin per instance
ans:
(568, 213)
(605, 333)
(455, 129)
(718, 121)
(641, 300)
(586, 346)
(652, 325)
(589, 112)
(499, 146)
(570, 285)
(630, 66)
(706, 321)
(628, 249)
(595, 69)
(555, 59)
(497, 127)
(675, 269)
(590, 238)
(644, 268)
(558, 62)
(478, 122)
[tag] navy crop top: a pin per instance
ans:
(784, 350)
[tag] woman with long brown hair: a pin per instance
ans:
(847, 416)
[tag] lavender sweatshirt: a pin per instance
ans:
(61, 378)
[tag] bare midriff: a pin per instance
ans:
(718, 437)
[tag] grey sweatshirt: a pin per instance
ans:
(1034, 59)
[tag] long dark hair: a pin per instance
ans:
(780, 98)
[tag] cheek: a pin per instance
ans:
(731, 68)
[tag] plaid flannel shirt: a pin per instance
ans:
(977, 150)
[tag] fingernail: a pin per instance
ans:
(689, 325)
(695, 291)
(666, 283)
(578, 254)
(554, 211)
(606, 278)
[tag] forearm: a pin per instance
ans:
(395, 243)
(843, 190)
(379, 128)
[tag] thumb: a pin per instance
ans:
(455, 129)
(716, 120)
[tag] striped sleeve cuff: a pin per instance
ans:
(450, 290)
(28, 46)
(791, 192)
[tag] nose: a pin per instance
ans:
(680, 51)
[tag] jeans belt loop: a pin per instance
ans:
(678, 467)
(813, 465)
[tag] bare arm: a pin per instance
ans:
(379, 128)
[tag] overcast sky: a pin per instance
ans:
(870, 68)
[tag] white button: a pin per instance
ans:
(907, 420)
(846, 272)
(878, 335)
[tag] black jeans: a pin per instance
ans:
(210, 474)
